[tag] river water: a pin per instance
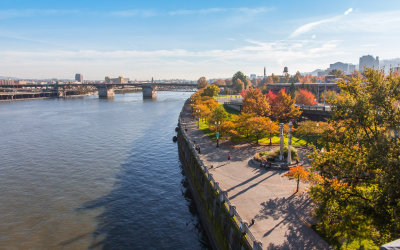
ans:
(91, 173)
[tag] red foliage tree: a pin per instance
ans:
(305, 97)
(270, 97)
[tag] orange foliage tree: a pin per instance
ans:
(283, 108)
(305, 97)
(298, 173)
(255, 102)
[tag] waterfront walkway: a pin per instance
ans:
(282, 218)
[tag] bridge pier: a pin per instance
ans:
(149, 91)
(105, 90)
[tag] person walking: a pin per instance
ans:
(229, 157)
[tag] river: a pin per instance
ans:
(82, 173)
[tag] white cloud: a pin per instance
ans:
(348, 11)
(309, 26)
(174, 63)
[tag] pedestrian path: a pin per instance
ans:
(282, 219)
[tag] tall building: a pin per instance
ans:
(368, 62)
(79, 77)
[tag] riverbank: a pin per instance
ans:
(282, 219)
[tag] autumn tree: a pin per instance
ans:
(329, 96)
(297, 77)
(283, 108)
(270, 97)
(210, 90)
(258, 127)
(240, 76)
(311, 130)
(271, 128)
(202, 83)
(219, 83)
(270, 79)
(255, 102)
(298, 173)
(358, 196)
(238, 86)
(304, 97)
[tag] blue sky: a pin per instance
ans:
(189, 39)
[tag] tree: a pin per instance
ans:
(357, 196)
(238, 86)
(270, 97)
(202, 83)
(275, 78)
(270, 79)
(286, 78)
(283, 108)
(297, 77)
(219, 114)
(311, 130)
(337, 73)
(271, 128)
(305, 97)
(329, 96)
(255, 102)
(240, 76)
(211, 90)
(258, 127)
(219, 83)
(298, 173)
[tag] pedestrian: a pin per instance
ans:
(229, 157)
(199, 149)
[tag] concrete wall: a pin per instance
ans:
(222, 223)
(105, 91)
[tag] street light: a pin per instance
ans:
(198, 117)
(217, 123)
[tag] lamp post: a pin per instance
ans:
(217, 123)
(198, 118)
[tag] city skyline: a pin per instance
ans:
(186, 40)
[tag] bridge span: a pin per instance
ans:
(104, 90)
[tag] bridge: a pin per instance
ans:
(104, 90)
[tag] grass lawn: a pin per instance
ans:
(224, 96)
(296, 142)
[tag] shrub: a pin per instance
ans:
(293, 153)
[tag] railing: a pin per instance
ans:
(223, 197)
(314, 108)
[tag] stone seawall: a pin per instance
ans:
(223, 225)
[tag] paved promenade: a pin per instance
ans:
(282, 218)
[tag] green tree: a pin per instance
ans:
(240, 76)
(202, 83)
(258, 127)
(219, 114)
(337, 73)
(357, 195)
(211, 90)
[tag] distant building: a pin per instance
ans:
(79, 77)
(253, 76)
(12, 82)
(117, 80)
(368, 62)
(396, 70)
(346, 68)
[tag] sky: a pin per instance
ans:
(189, 39)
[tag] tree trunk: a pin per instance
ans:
(298, 181)
(270, 142)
